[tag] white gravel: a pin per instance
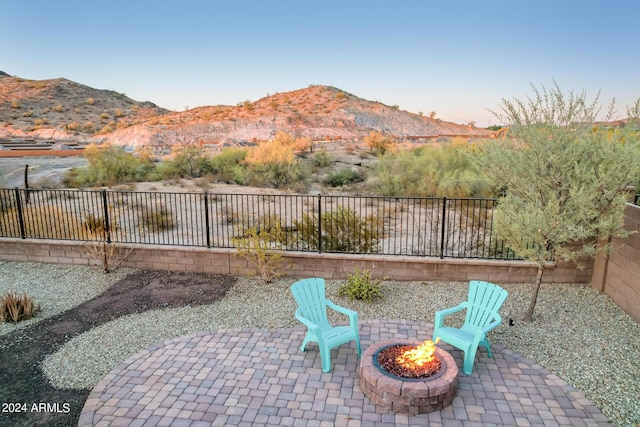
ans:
(578, 333)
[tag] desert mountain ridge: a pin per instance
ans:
(61, 109)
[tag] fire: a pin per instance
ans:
(419, 356)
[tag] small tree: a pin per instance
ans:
(380, 144)
(564, 178)
(274, 164)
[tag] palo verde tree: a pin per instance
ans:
(564, 177)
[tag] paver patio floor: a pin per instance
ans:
(258, 377)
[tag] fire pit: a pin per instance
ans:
(408, 378)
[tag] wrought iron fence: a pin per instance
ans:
(435, 227)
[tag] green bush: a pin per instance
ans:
(342, 231)
(361, 286)
(188, 161)
(431, 171)
(273, 164)
(344, 176)
(228, 165)
(108, 165)
(322, 159)
(259, 248)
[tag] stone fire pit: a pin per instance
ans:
(408, 395)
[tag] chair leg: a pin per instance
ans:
(469, 358)
(304, 343)
(486, 344)
(325, 358)
(358, 345)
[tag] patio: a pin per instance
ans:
(258, 377)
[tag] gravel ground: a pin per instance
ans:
(579, 334)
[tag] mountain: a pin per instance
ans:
(62, 109)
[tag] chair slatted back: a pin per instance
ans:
(485, 299)
(311, 298)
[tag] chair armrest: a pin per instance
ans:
(492, 325)
(308, 323)
(440, 314)
(353, 316)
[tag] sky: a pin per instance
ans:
(456, 58)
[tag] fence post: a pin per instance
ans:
(20, 216)
(206, 217)
(444, 218)
(105, 209)
(319, 223)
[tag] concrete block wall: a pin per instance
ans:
(303, 264)
(618, 275)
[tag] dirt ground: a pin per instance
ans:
(22, 351)
(43, 171)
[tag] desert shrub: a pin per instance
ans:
(274, 164)
(228, 165)
(430, 171)
(108, 165)
(344, 176)
(380, 144)
(302, 144)
(45, 222)
(7, 201)
(16, 104)
(119, 112)
(187, 161)
(342, 231)
(158, 218)
(100, 245)
(91, 101)
(104, 116)
(27, 113)
(96, 225)
(361, 286)
(341, 95)
(58, 108)
(14, 308)
(247, 105)
(322, 159)
(260, 249)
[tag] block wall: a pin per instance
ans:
(303, 264)
(618, 275)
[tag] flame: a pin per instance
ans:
(419, 356)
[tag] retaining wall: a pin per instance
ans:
(618, 275)
(303, 264)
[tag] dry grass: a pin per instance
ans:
(43, 222)
(14, 307)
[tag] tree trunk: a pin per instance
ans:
(528, 316)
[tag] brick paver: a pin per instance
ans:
(258, 377)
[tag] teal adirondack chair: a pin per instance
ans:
(312, 312)
(484, 301)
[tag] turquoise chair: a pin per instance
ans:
(484, 301)
(312, 312)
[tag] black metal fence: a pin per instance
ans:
(435, 227)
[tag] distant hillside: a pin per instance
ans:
(60, 109)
